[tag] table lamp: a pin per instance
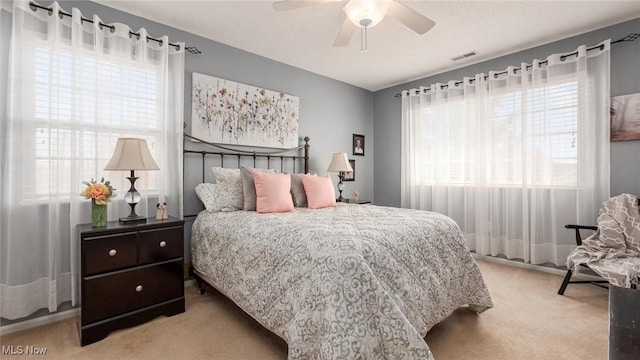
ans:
(132, 154)
(340, 164)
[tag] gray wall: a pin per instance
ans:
(330, 111)
(625, 79)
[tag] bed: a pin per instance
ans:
(344, 282)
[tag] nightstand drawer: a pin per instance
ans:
(125, 291)
(161, 244)
(109, 252)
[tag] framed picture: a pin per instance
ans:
(227, 112)
(358, 144)
(350, 175)
(625, 117)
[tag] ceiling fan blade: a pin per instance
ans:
(285, 5)
(345, 34)
(411, 18)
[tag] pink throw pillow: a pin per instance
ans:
(319, 190)
(272, 192)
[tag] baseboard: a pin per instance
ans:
(519, 264)
(54, 317)
(39, 321)
(522, 265)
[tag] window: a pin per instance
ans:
(78, 116)
(531, 135)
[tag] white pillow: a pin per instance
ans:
(229, 189)
(207, 194)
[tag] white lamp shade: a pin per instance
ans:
(371, 11)
(339, 162)
(132, 154)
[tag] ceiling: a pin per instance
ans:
(304, 37)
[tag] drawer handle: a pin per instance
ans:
(112, 252)
(163, 243)
(139, 288)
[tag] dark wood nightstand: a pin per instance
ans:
(130, 274)
(352, 201)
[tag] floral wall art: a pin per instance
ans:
(227, 112)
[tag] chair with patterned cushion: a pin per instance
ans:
(567, 277)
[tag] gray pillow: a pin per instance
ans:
(297, 191)
(249, 187)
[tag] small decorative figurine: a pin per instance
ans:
(356, 195)
(161, 212)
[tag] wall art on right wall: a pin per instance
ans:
(358, 144)
(625, 117)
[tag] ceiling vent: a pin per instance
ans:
(464, 56)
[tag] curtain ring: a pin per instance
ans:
(601, 46)
(562, 58)
(100, 25)
(32, 6)
(495, 76)
(50, 11)
(178, 47)
(112, 28)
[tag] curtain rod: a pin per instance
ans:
(630, 37)
(35, 7)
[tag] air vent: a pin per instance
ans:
(464, 56)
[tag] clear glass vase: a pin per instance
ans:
(98, 214)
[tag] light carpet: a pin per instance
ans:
(529, 321)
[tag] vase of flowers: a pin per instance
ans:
(99, 193)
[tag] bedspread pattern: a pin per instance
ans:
(342, 289)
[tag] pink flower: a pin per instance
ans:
(99, 191)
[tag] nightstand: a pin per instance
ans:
(352, 201)
(130, 274)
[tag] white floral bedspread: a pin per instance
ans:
(351, 282)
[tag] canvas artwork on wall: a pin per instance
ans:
(227, 112)
(625, 117)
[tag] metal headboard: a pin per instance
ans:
(238, 155)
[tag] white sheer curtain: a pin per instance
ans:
(72, 88)
(513, 156)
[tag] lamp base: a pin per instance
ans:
(340, 187)
(132, 197)
(133, 219)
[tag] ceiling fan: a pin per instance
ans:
(364, 14)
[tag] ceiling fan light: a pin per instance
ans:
(367, 13)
